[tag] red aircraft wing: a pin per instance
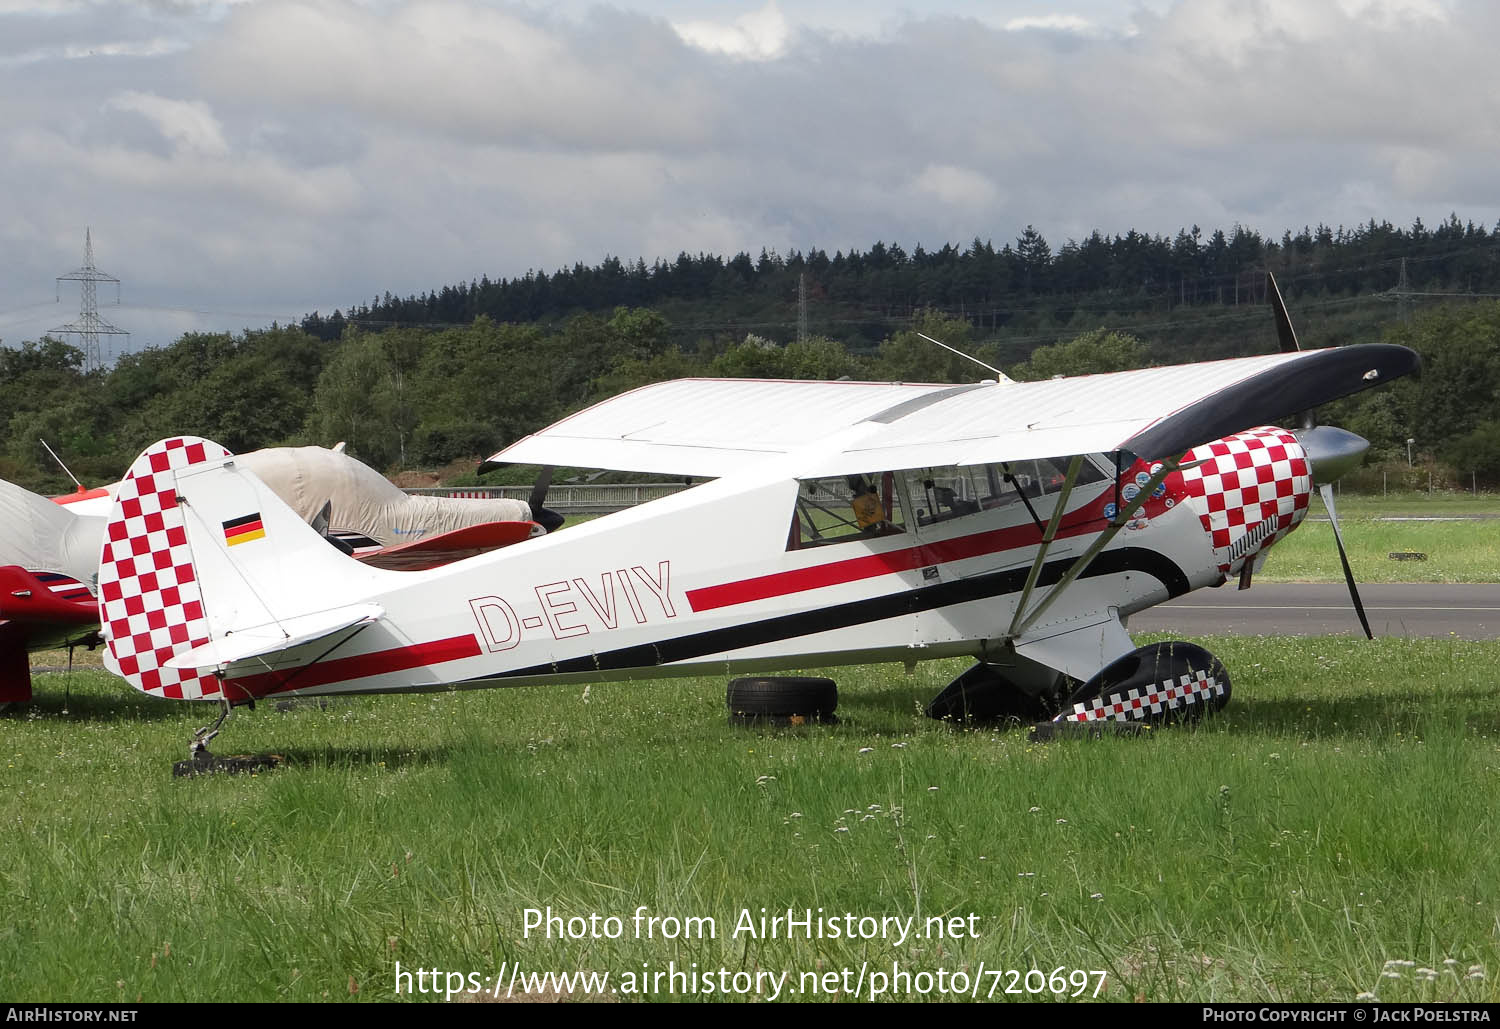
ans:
(448, 547)
(37, 609)
(44, 597)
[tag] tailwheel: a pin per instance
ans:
(202, 762)
(1154, 685)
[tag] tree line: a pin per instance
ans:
(427, 395)
(1024, 287)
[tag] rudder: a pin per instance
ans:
(197, 550)
(150, 600)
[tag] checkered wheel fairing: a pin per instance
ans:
(1139, 703)
(150, 604)
(1250, 490)
(1159, 683)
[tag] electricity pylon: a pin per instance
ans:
(89, 325)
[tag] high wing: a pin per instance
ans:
(709, 427)
(714, 427)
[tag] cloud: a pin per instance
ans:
(1052, 23)
(245, 157)
(471, 72)
(960, 188)
(760, 35)
(190, 125)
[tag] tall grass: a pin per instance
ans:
(1337, 817)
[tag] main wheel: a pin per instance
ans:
(781, 700)
(1155, 684)
(1019, 692)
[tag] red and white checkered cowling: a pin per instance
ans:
(1250, 490)
(150, 606)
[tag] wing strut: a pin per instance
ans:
(1021, 624)
(1047, 537)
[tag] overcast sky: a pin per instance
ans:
(240, 162)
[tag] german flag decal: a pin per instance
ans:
(243, 530)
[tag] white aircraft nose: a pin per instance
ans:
(1331, 451)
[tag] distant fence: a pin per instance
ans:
(565, 498)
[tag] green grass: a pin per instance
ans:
(1440, 504)
(1458, 551)
(1338, 816)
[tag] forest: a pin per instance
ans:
(448, 377)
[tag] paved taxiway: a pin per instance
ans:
(1470, 612)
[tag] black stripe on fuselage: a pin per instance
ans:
(858, 612)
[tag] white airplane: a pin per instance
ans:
(1020, 524)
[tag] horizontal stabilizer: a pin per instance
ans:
(278, 636)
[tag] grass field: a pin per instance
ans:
(1457, 551)
(1331, 834)
(1467, 551)
(1436, 504)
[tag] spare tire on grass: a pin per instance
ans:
(782, 700)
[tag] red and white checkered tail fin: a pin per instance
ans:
(197, 549)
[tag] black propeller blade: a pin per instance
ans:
(1337, 449)
(1284, 331)
(1326, 491)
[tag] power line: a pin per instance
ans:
(10, 315)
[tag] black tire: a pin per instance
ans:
(1137, 686)
(806, 696)
(984, 695)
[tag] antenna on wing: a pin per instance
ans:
(60, 464)
(999, 375)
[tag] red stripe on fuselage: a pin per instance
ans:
(359, 666)
(780, 584)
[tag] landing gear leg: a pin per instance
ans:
(199, 747)
(202, 761)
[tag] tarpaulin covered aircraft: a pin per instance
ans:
(1020, 524)
(49, 557)
(370, 514)
(49, 551)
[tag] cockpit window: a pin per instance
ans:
(846, 507)
(939, 494)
